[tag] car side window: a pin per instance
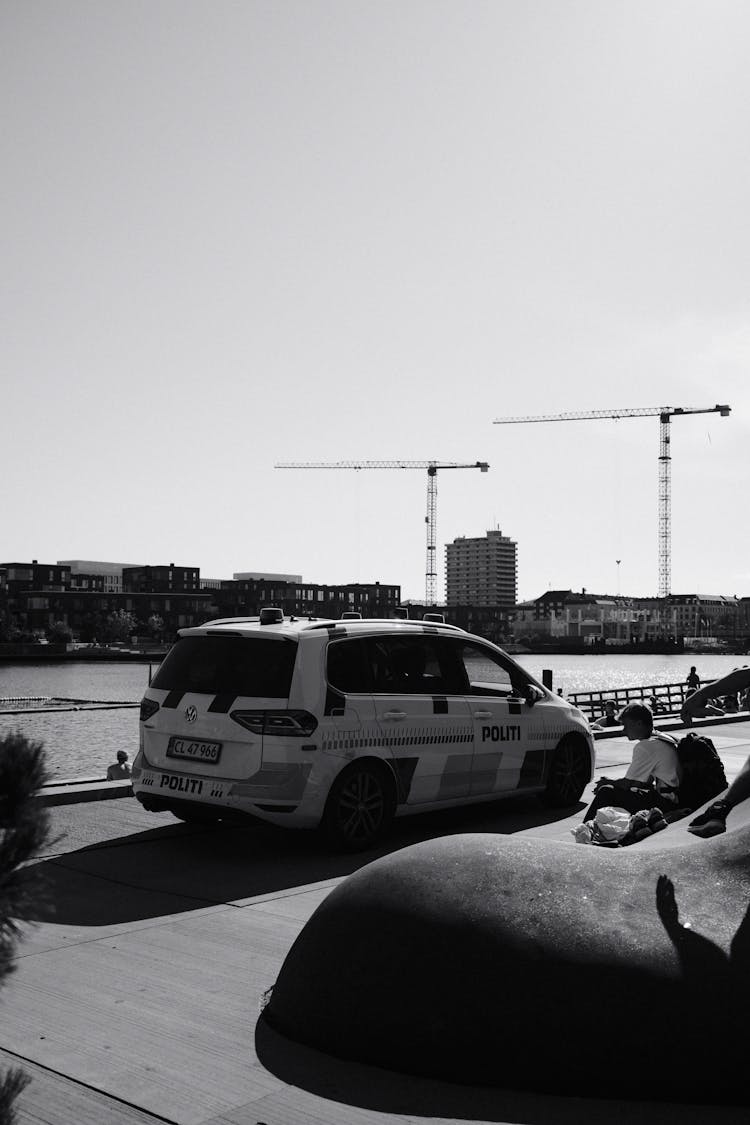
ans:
(487, 673)
(412, 665)
(347, 669)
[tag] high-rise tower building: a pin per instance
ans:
(482, 571)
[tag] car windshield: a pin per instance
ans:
(254, 666)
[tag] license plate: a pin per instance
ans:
(194, 749)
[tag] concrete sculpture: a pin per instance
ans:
(516, 962)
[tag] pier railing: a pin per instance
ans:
(669, 698)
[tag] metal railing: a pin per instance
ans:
(669, 698)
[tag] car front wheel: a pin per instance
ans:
(569, 774)
(359, 809)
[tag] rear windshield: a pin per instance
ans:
(240, 665)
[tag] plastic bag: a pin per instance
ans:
(613, 823)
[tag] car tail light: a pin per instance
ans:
(289, 724)
(149, 707)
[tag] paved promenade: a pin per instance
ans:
(138, 986)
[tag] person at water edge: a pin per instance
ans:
(653, 777)
(693, 680)
(699, 702)
(609, 718)
(119, 770)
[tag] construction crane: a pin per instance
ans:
(665, 415)
(431, 516)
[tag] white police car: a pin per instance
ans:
(345, 724)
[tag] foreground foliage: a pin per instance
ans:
(24, 830)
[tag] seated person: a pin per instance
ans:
(609, 718)
(736, 681)
(119, 770)
(730, 704)
(653, 777)
(702, 710)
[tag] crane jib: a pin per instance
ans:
(665, 415)
(431, 517)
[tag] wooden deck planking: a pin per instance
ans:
(53, 1099)
(163, 1016)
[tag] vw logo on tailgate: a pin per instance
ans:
(191, 714)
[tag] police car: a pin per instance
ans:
(346, 724)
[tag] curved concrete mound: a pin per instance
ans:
(517, 962)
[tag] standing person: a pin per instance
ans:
(653, 777)
(693, 680)
(119, 770)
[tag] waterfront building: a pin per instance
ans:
(540, 616)
(248, 596)
(699, 616)
(161, 579)
(265, 576)
(586, 618)
(607, 619)
(35, 596)
(481, 571)
(598, 619)
(491, 622)
(26, 588)
(89, 574)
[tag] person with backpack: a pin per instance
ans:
(703, 776)
(653, 777)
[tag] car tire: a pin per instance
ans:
(360, 808)
(569, 773)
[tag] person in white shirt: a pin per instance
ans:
(653, 777)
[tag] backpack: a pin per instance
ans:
(703, 774)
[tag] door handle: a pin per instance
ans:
(395, 715)
(482, 714)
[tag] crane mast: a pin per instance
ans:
(665, 415)
(432, 468)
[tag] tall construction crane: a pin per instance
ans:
(665, 415)
(431, 517)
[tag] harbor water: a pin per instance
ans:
(83, 743)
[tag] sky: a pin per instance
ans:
(234, 233)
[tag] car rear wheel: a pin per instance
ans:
(359, 809)
(569, 773)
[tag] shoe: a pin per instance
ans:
(712, 822)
